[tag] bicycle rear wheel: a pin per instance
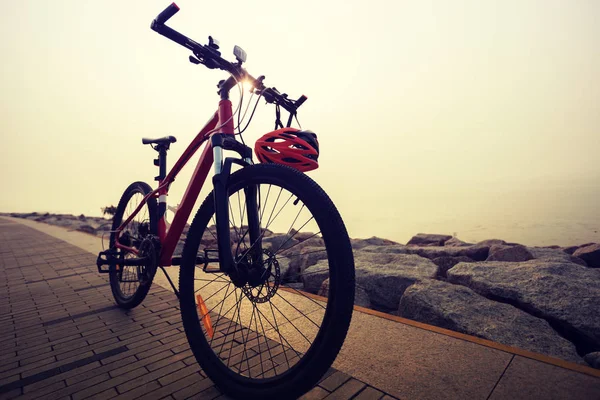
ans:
(130, 284)
(279, 332)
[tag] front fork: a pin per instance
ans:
(222, 169)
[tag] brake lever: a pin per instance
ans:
(194, 60)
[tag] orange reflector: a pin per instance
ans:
(205, 317)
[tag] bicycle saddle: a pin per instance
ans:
(163, 140)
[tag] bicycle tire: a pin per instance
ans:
(321, 353)
(133, 298)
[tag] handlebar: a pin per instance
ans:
(211, 58)
(167, 13)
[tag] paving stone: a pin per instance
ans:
(347, 390)
(369, 393)
(316, 393)
(193, 389)
(334, 381)
(61, 335)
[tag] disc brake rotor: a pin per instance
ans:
(271, 277)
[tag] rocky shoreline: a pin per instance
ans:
(541, 299)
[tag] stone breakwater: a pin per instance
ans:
(93, 225)
(541, 299)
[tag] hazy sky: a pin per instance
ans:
(448, 116)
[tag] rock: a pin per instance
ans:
(358, 244)
(570, 249)
(461, 309)
(590, 254)
(279, 242)
(361, 298)
(428, 239)
(545, 254)
(593, 359)
(284, 268)
(295, 285)
(476, 252)
(81, 217)
(312, 242)
(564, 293)
(445, 263)
(267, 233)
(392, 249)
(456, 242)
(87, 229)
(302, 236)
(491, 242)
(314, 276)
(107, 226)
(509, 253)
(384, 277)
(324, 289)
(303, 259)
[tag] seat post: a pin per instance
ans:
(161, 161)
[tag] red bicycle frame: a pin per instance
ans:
(221, 122)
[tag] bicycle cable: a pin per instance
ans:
(251, 115)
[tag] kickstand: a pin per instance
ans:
(170, 281)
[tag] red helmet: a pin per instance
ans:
(289, 146)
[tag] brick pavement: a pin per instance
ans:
(62, 337)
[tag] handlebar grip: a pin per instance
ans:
(166, 14)
(300, 101)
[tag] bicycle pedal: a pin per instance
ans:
(208, 260)
(106, 261)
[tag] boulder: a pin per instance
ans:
(570, 249)
(312, 242)
(358, 244)
(107, 226)
(279, 242)
(295, 286)
(509, 253)
(460, 309)
(361, 298)
(428, 239)
(304, 258)
(563, 293)
(590, 254)
(456, 242)
(491, 242)
(314, 276)
(445, 263)
(593, 359)
(476, 252)
(87, 229)
(383, 276)
(302, 236)
(392, 249)
(557, 255)
(284, 268)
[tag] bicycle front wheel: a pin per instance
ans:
(274, 334)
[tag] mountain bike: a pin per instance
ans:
(266, 279)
